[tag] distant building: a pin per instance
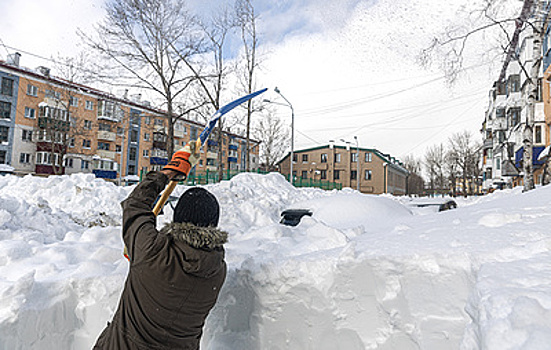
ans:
(376, 172)
(51, 126)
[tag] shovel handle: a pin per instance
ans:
(164, 197)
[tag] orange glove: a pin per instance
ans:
(186, 158)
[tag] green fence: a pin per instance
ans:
(210, 177)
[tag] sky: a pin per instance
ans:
(349, 68)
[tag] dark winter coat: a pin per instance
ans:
(174, 279)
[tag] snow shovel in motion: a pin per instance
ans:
(198, 144)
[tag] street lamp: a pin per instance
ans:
(288, 104)
(357, 161)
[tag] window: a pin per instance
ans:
(135, 120)
(324, 157)
(86, 143)
(118, 148)
(295, 157)
(103, 146)
(513, 84)
(305, 158)
(68, 162)
(120, 130)
(368, 174)
(514, 117)
(84, 164)
(323, 174)
(133, 136)
(337, 158)
(159, 122)
(106, 109)
(146, 153)
(304, 174)
(32, 90)
(368, 158)
(538, 134)
(5, 110)
(89, 105)
(337, 175)
(353, 175)
(73, 101)
(88, 124)
(24, 158)
(132, 155)
(27, 135)
(146, 137)
(147, 120)
(52, 94)
(498, 163)
(500, 113)
(72, 142)
(2, 157)
(7, 86)
(131, 169)
(30, 113)
(104, 127)
(46, 158)
(354, 157)
(4, 130)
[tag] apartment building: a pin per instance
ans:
(51, 126)
(505, 120)
(375, 171)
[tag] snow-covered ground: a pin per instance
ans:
(364, 272)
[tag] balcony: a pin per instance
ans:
(105, 174)
(232, 147)
(106, 154)
(232, 160)
(107, 135)
(213, 155)
(158, 161)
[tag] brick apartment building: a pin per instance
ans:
(52, 126)
(376, 172)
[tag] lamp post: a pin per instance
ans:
(357, 161)
(288, 104)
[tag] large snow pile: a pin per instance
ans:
(364, 272)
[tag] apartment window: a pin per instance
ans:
(305, 158)
(104, 127)
(68, 162)
(133, 136)
(52, 94)
(337, 175)
(500, 113)
(337, 158)
(538, 134)
(132, 155)
(324, 157)
(86, 143)
(89, 105)
(72, 142)
(159, 122)
(323, 174)
(27, 135)
(7, 86)
(368, 174)
(498, 163)
(25, 158)
(304, 174)
(513, 83)
(104, 146)
(514, 117)
(30, 112)
(45, 158)
(85, 164)
(88, 124)
(73, 101)
(5, 110)
(354, 157)
(146, 137)
(135, 120)
(147, 120)
(353, 175)
(146, 153)
(131, 169)
(4, 131)
(118, 148)
(368, 158)
(32, 90)
(120, 130)
(295, 157)
(2, 157)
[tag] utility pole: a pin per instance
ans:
(538, 29)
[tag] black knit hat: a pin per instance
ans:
(197, 206)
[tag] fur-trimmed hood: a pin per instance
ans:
(207, 238)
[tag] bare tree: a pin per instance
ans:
(415, 182)
(434, 161)
(463, 151)
(275, 137)
(149, 40)
(246, 20)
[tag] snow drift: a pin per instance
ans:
(363, 272)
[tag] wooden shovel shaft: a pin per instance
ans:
(164, 197)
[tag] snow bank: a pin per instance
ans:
(363, 272)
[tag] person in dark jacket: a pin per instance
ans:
(175, 274)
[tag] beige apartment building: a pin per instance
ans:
(374, 171)
(51, 126)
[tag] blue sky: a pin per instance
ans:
(349, 67)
